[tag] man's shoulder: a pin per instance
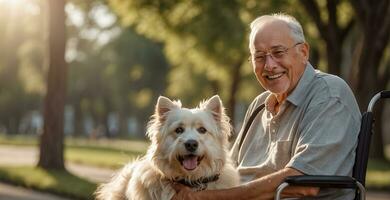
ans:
(257, 101)
(331, 86)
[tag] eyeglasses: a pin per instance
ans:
(275, 53)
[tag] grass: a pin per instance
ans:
(99, 157)
(54, 181)
(101, 153)
(378, 175)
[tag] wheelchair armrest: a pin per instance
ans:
(322, 181)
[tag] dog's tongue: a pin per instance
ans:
(190, 163)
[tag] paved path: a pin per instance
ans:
(13, 156)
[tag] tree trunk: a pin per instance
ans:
(334, 58)
(52, 145)
(330, 31)
(236, 79)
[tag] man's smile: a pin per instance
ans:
(274, 76)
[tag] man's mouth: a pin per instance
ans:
(274, 76)
(190, 162)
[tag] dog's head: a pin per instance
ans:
(189, 143)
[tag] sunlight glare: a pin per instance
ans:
(11, 3)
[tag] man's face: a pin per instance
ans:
(278, 61)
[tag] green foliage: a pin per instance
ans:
(124, 75)
(204, 40)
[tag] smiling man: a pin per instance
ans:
(309, 125)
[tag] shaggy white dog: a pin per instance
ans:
(188, 146)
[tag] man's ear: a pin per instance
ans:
(305, 50)
(214, 104)
(163, 106)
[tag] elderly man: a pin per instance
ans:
(309, 125)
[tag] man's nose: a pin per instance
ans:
(269, 63)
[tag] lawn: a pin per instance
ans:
(54, 181)
(378, 175)
(90, 152)
(100, 153)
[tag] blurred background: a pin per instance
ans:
(119, 56)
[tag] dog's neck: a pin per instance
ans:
(199, 184)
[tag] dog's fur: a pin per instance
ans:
(187, 144)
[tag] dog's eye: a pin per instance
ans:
(202, 130)
(179, 130)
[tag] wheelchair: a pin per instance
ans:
(358, 179)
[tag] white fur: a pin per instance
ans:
(150, 177)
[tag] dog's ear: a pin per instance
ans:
(164, 105)
(214, 104)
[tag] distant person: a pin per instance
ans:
(309, 125)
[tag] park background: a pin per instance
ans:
(79, 78)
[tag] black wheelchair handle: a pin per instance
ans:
(385, 94)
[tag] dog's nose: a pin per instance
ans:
(191, 145)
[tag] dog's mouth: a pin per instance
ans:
(190, 162)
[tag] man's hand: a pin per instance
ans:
(183, 192)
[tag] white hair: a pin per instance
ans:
(293, 24)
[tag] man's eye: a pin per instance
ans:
(260, 57)
(202, 130)
(278, 53)
(179, 130)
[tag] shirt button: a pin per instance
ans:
(273, 130)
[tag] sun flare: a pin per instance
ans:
(12, 3)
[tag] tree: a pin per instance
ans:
(372, 76)
(370, 73)
(51, 142)
(203, 38)
(332, 29)
(367, 75)
(115, 78)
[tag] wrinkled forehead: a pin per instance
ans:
(271, 34)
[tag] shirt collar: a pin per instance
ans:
(298, 95)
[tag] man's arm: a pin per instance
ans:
(261, 188)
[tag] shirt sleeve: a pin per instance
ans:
(327, 140)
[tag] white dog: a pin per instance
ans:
(188, 146)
